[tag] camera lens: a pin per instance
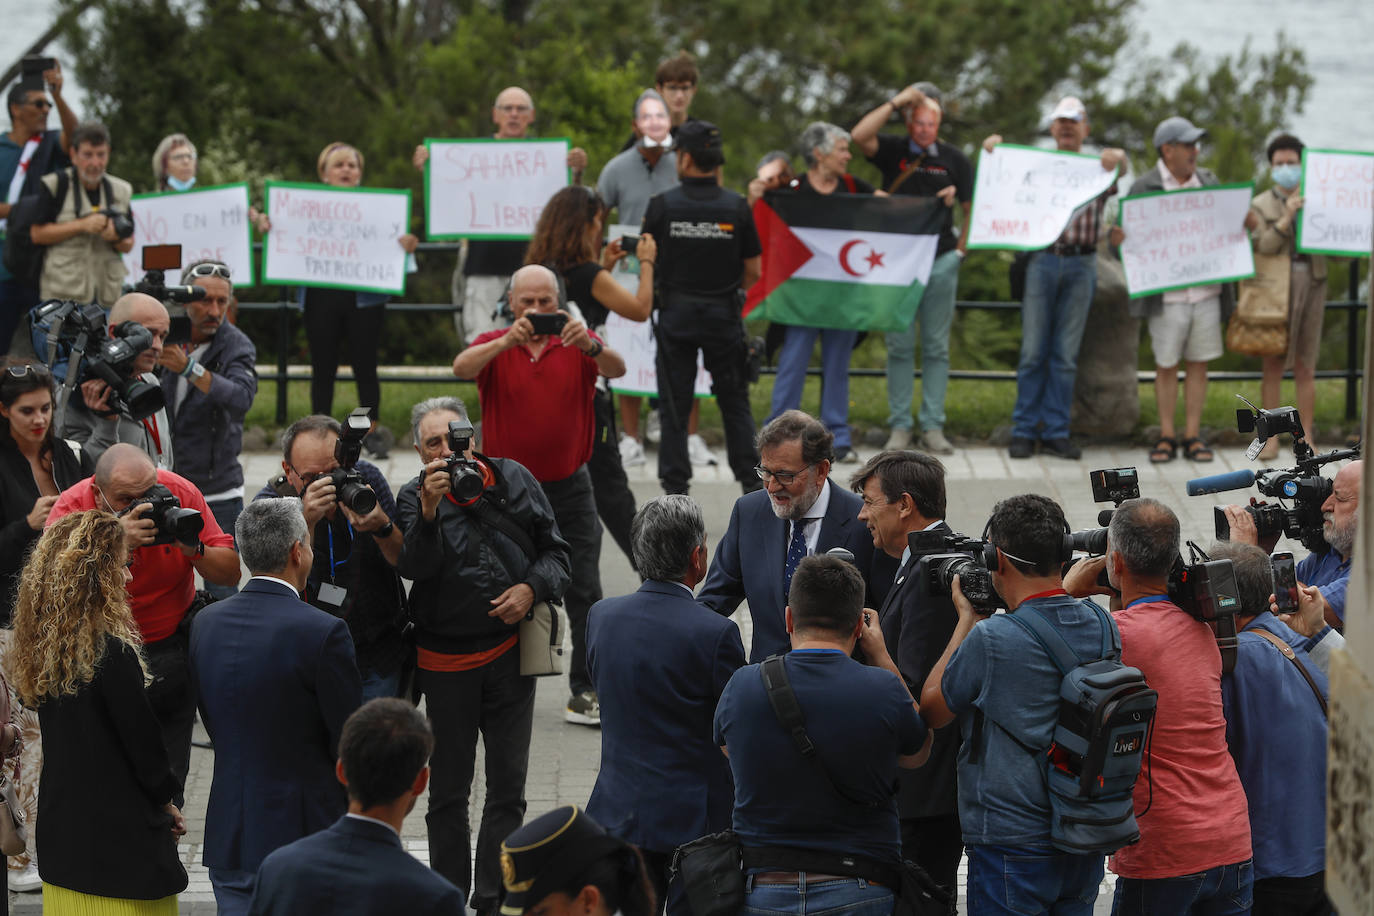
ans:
(465, 482)
(351, 491)
(1091, 541)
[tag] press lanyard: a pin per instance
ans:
(334, 567)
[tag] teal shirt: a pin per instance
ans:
(9, 161)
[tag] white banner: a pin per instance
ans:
(1023, 198)
(490, 189)
(206, 223)
(335, 237)
(1177, 239)
(1337, 215)
(634, 340)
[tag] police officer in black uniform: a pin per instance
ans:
(708, 254)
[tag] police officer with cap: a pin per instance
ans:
(708, 254)
(564, 863)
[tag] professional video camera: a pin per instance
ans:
(81, 330)
(465, 477)
(349, 487)
(942, 555)
(1114, 485)
(1303, 484)
(157, 260)
(174, 524)
(1206, 590)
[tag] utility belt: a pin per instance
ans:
(819, 865)
(680, 302)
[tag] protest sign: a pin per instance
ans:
(1024, 197)
(634, 340)
(490, 189)
(206, 223)
(1337, 215)
(337, 238)
(1177, 239)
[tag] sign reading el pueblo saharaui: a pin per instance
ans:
(1191, 237)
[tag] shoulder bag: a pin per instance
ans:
(1259, 326)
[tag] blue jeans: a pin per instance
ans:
(1226, 890)
(226, 513)
(935, 313)
(1059, 294)
(233, 890)
(380, 685)
(795, 356)
(1031, 879)
(843, 897)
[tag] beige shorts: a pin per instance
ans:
(1187, 331)
(1306, 306)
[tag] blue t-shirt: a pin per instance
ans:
(1002, 670)
(1277, 735)
(1330, 573)
(9, 161)
(860, 720)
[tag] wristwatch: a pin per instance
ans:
(193, 370)
(384, 531)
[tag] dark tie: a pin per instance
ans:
(796, 549)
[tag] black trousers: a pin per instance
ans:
(715, 330)
(614, 501)
(498, 702)
(173, 697)
(574, 508)
(326, 327)
(1292, 896)
(936, 844)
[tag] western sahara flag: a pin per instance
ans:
(843, 260)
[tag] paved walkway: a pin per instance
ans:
(564, 758)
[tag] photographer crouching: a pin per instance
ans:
(171, 536)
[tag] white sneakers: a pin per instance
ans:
(25, 879)
(631, 452)
(699, 453)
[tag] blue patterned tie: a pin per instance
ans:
(796, 549)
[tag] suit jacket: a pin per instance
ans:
(356, 867)
(749, 561)
(916, 630)
(275, 680)
(658, 661)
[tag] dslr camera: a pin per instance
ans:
(79, 330)
(464, 476)
(349, 487)
(946, 554)
(122, 222)
(174, 524)
(157, 260)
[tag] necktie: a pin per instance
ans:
(796, 549)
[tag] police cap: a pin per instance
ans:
(699, 137)
(546, 854)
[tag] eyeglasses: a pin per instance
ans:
(678, 87)
(783, 477)
(182, 157)
(40, 104)
(211, 269)
(513, 109)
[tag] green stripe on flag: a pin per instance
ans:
(846, 306)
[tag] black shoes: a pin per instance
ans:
(1021, 447)
(1061, 448)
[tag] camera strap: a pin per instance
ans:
(483, 511)
(1288, 653)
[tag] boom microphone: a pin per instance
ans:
(1217, 483)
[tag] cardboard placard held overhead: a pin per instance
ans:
(1193, 237)
(336, 237)
(490, 189)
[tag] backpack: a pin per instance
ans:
(1105, 714)
(24, 259)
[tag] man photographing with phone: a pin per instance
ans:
(535, 381)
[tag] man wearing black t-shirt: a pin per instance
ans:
(920, 165)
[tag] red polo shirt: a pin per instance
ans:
(164, 580)
(538, 409)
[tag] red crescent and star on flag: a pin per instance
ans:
(874, 258)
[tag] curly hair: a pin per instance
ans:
(561, 239)
(71, 596)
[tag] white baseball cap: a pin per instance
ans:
(1069, 108)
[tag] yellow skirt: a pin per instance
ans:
(59, 901)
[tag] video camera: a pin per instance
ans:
(942, 555)
(1114, 485)
(1206, 590)
(82, 329)
(174, 524)
(157, 260)
(349, 487)
(1303, 483)
(464, 476)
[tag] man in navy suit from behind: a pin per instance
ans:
(797, 514)
(358, 865)
(276, 679)
(658, 661)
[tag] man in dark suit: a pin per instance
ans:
(659, 661)
(797, 514)
(903, 494)
(358, 865)
(276, 680)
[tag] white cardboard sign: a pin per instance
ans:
(335, 237)
(1023, 197)
(490, 189)
(1337, 215)
(1192, 237)
(205, 222)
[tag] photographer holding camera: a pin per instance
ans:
(93, 419)
(171, 535)
(355, 540)
(88, 228)
(475, 581)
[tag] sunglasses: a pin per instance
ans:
(211, 269)
(26, 371)
(40, 104)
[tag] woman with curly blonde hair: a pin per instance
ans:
(107, 832)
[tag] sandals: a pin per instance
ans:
(1197, 450)
(1164, 451)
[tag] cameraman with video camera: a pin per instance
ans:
(482, 548)
(171, 535)
(350, 511)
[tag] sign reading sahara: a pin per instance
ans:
(1023, 198)
(847, 261)
(1337, 215)
(1177, 239)
(490, 189)
(206, 223)
(332, 237)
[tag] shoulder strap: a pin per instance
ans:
(484, 511)
(1292, 656)
(906, 173)
(783, 699)
(849, 184)
(1063, 656)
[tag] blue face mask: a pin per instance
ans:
(1287, 175)
(176, 184)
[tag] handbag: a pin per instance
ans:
(1259, 326)
(711, 871)
(14, 832)
(541, 642)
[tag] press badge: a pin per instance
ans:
(332, 594)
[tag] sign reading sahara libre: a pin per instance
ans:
(490, 189)
(1337, 215)
(335, 237)
(1023, 198)
(1177, 239)
(206, 223)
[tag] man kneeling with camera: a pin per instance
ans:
(172, 535)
